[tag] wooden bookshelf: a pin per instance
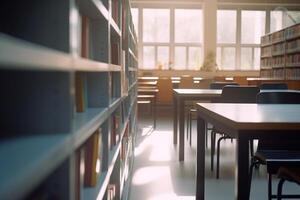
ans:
(280, 54)
(63, 69)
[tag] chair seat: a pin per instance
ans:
(290, 174)
(276, 158)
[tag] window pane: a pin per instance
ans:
(156, 25)
(276, 21)
(246, 58)
(218, 57)
(180, 58)
(163, 57)
(228, 58)
(149, 57)
(256, 58)
(281, 19)
(195, 58)
(188, 21)
(226, 26)
(253, 26)
(135, 18)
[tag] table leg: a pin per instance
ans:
(200, 181)
(242, 169)
(175, 119)
(181, 128)
(154, 114)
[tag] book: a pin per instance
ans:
(79, 172)
(80, 92)
(115, 135)
(93, 151)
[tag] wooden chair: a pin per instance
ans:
(275, 153)
(291, 174)
(186, 82)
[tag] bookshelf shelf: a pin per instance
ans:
(37, 157)
(281, 59)
(22, 55)
(66, 90)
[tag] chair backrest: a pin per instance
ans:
(239, 94)
(273, 86)
(165, 87)
(278, 97)
(186, 82)
(220, 85)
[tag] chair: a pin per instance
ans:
(214, 85)
(186, 82)
(287, 174)
(274, 153)
(233, 94)
(273, 86)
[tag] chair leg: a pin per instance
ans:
(212, 149)
(218, 155)
(253, 164)
(269, 186)
(251, 148)
(206, 134)
(190, 128)
(187, 124)
(279, 189)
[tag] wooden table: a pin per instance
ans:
(244, 122)
(180, 96)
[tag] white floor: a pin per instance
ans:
(158, 175)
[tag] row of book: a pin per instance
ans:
(278, 36)
(278, 61)
(278, 73)
(293, 46)
(289, 33)
(293, 73)
(266, 73)
(278, 49)
(266, 51)
(292, 32)
(293, 59)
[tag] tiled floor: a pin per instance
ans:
(158, 175)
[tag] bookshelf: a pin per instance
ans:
(68, 74)
(280, 54)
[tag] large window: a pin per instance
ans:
(238, 41)
(252, 28)
(165, 43)
(226, 39)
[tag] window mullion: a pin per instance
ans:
(238, 39)
(172, 38)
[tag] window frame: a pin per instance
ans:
(171, 44)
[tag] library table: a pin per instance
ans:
(180, 96)
(244, 122)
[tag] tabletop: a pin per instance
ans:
(254, 116)
(197, 91)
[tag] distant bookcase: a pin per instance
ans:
(68, 76)
(280, 54)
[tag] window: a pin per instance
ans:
(135, 18)
(149, 57)
(163, 57)
(252, 28)
(226, 26)
(226, 39)
(161, 49)
(281, 19)
(156, 25)
(188, 21)
(180, 58)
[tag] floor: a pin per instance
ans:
(158, 175)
